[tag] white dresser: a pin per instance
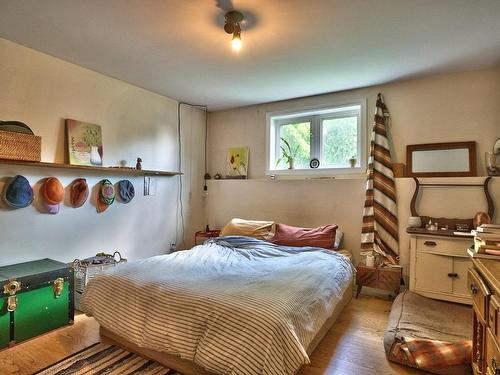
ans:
(439, 265)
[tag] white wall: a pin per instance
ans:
(42, 91)
(446, 108)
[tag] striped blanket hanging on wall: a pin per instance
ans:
(380, 220)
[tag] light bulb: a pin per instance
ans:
(236, 42)
(205, 192)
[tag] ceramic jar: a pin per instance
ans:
(414, 222)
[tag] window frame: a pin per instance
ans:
(315, 115)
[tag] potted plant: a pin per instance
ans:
(287, 155)
(353, 161)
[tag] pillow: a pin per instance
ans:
(338, 238)
(262, 230)
(316, 237)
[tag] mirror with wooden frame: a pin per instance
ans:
(452, 159)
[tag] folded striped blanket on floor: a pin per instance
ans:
(426, 354)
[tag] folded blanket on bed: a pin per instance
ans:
(234, 305)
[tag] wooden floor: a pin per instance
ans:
(353, 345)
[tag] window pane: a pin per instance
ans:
(298, 137)
(340, 141)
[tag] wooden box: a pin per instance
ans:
(19, 146)
(386, 278)
(35, 297)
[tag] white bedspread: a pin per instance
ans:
(233, 306)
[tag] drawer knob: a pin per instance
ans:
(430, 243)
(453, 275)
(473, 289)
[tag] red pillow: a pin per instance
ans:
(316, 237)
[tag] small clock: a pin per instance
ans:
(314, 163)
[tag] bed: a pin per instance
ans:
(235, 305)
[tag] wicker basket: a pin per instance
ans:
(19, 146)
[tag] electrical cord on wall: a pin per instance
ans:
(179, 139)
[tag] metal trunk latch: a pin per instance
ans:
(11, 288)
(58, 287)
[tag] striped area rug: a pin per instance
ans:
(100, 359)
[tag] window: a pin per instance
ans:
(334, 135)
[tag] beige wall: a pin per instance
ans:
(42, 91)
(446, 108)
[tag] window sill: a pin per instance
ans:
(308, 173)
(353, 176)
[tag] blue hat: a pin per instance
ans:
(18, 192)
(126, 191)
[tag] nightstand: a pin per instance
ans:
(202, 234)
(386, 278)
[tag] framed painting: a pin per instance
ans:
(84, 142)
(237, 163)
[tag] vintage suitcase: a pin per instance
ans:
(35, 297)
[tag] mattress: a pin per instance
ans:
(234, 305)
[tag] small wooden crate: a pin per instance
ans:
(19, 146)
(386, 278)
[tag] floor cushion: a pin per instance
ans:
(430, 335)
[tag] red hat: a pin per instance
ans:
(79, 192)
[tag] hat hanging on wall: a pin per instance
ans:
(18, 192)
(126, 191)
(52, 192)
(106, 195)
(79, 192)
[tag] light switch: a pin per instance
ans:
(149, 186)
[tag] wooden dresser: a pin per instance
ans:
(438, 265)
(484, 286)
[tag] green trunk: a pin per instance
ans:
(4, 323)
(39, 311)
(32, 287)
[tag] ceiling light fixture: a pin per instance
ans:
(232, 26)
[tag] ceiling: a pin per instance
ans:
(291, 48)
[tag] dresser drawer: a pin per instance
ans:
(493, 311)
(443, 245)
(480, 294)
(492, 355)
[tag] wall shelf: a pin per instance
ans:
(103, 170)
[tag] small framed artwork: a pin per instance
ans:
(84, 143)
(237, 163)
